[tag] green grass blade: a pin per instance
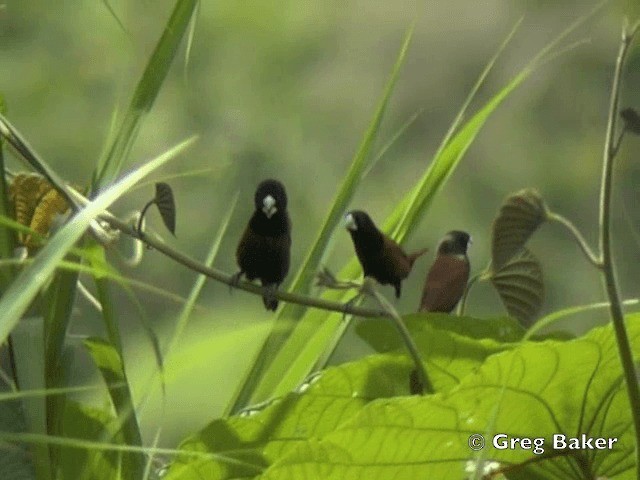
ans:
(306, 274)
(27, 154)
(60, 298)
(145, 93)
(286, 320)
(189, 305)
(109, 362)
(114, 447)
(558, 315)
(115, 16)
(28, 340)
(190, 37)
(46, 392)
(7, 236)
(21, 292)
(111, 275)
(391, 142)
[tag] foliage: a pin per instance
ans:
(357, 419)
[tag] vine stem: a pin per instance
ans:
(228, 279)
(406, 337)
(608, 269)
(582, 243)
(463, 301)
(143, 213)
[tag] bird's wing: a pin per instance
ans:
(445, 284)
(395, 260)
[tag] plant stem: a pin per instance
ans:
(617, 317)
(228, 279)
(406, 336)
(582, 243)
(465, 295)
(143, 213)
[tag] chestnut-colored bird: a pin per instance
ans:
(449, 274)
(264, 249)
(380, 257)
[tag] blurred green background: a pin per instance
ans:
(286, 89)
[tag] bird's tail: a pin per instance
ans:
(415, 255)
(269, 298)
(270, 303)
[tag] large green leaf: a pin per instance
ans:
(260, 435)
(536, 390)
(382, 335)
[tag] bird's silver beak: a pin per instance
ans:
(350, 223)
(269, 206)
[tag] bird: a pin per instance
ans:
(448, 276)
(264, 250)
(380, 257)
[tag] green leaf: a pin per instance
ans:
(7, 236)
(145, 94)
(521, 286)
(520, 216)
(259, 435)
(382, 336)
(28, 347)
(27, 154)
(16, 461)
(535, 390)
(60, 297)
(21, 292)
(109, 362)
(86, 423)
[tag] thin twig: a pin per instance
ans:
(227, 279)
(617, 317)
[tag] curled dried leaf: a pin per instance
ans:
(631, 120)
(520, 285)
(36, 204)
(519, 217)
(166, 205)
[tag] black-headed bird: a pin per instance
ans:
(449, 274)
(264, 249)
(380, 257)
